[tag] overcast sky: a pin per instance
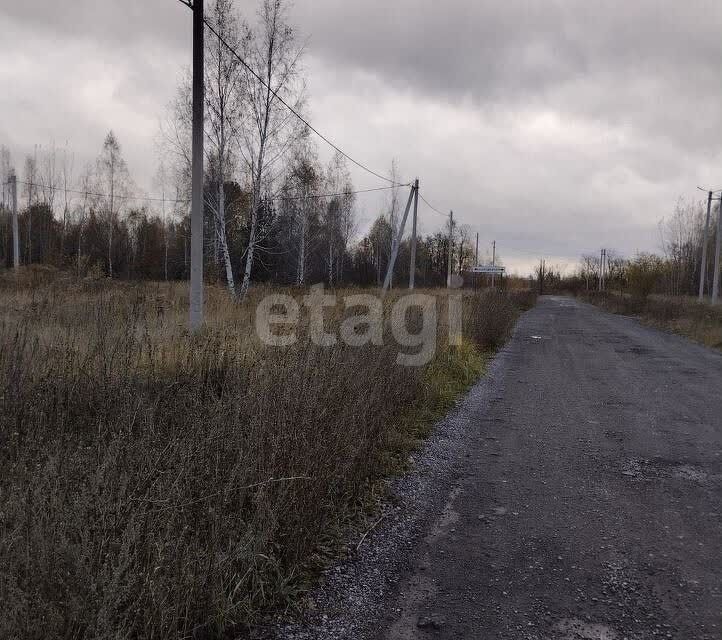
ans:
(555, 127)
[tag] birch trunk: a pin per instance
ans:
(222, 238)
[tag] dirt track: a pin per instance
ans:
(574, 494)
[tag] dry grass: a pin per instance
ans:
(156, 484)
(685, 316)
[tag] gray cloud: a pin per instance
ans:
(647, 63)
(554, 126)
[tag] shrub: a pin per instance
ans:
(490, 316)
(643, 274)
(156, 484)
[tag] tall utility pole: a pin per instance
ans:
(396, 242)
(715, 280)
(476, 260)
(703, 266)
(196, 284)
(412, 267)
(493, 262)
(451, 240)
(602, 255)
(16, 234)
(542, 269)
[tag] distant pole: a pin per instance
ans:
(493, 262)
(450, 250)
(412, 267)
(541, 277)
(718, 248)
(196, 285)
(396, 243)
(16, 234)
(476, 260)
(601, 270)
(703, 266)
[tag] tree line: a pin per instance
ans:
(674, 271)
(263, 219)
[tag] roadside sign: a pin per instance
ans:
(488, 268)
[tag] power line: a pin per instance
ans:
(289, 107)
(432, 207)
(334, 195)
(103, 195)
(172, 200)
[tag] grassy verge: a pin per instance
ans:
(158, 484)
(699, 321)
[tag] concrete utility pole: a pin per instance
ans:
(715, 280)
(396, 242)
(451, 239)
(542, 268)
(703, 266)
(493, 262)
(412, 267)
(476, 260)
(196, 284)
(16, 234)
(602, 255)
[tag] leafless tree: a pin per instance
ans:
(339, 223)
(303, 180)
(113, 175)
(31, 191)
(49, 175)
(681, 236)
(274, 55)
(162, 183)
(6, 169)
(393, 204)
(67, 178)
(86, 185)
(589, 268)
(225, 112)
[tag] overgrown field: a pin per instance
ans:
(699, 321)
(157, 484)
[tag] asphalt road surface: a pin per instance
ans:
(588, 505)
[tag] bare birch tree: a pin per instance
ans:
(67, 178)
(225, 109)
(31, 191)
(274, 55)
(86, 185)
(162, 183)
(338, 223)
(49, 176)
(224, 115)
(306, 177)
(113, 175)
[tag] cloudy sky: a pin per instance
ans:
(555, 127)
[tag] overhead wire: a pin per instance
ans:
(334, 195)
(102, 195)
(432, 207)
(184, 201)
(275, 94)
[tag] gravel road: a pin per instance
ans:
(574, 493)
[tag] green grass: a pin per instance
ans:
(444, 380)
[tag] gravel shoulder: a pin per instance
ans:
(574, 492)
